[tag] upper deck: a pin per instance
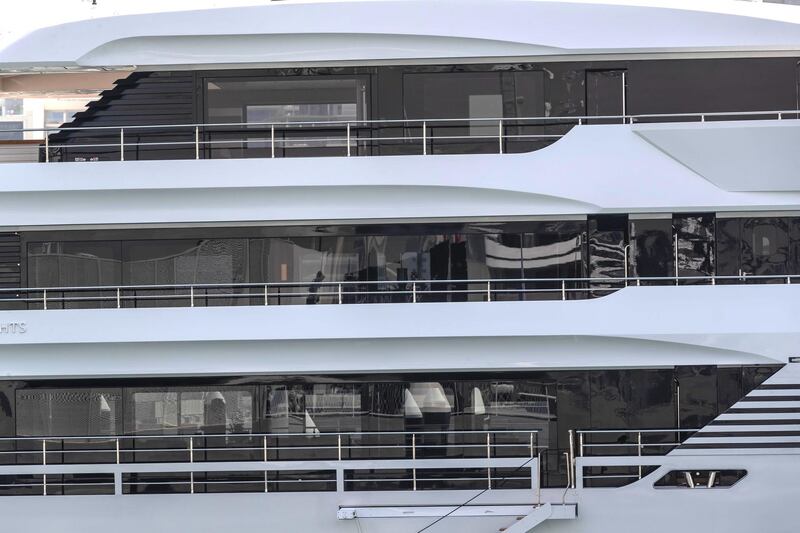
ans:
(298, 33)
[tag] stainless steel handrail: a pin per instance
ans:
(414, 291)
(419, 122)
(196, 132)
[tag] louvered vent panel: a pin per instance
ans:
(10, 259)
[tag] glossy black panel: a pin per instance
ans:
(697, 395)
(695, 243)
(765, 246)
(554, 251)
(729, 247)
(605, 95)
(652, 253)
(608, 238)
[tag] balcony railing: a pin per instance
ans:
(348, 292)
(323, 138)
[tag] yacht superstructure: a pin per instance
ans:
(401, 266)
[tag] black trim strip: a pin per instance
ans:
(763, 410)
(739, 445)
(776, 422)
(770, 399)
(776, 433)
(779, 386)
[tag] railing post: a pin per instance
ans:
(264, 445)
(339, 446)
(539, 478)
(44, 452)
(563, 289)
(500, 135)
(780, 115)
(571, 464)
(44, 298)
(580, 444)
(639, 447)
(414, 458)
(413, 292)
(348, 139)
(191, 449)
(119, 298)
(46, 147)
(488, 291)
(424, 138)
(116, 446)
(531, 445)
(197, 142)
(122, 144)
(266, 294)
(272, 140)
(340, 292)
(191, 482)
(191, 296)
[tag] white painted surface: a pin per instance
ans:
(296, 32)
(635, 327)
(601, 168)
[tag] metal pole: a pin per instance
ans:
(119, 299)
(117, 449)
(191, 449)
(571, 452)
(639, 446)
(264, 445)
(488, 458)
(424, 138)
(580, 444)
(348, 139)
(121, 144)
(339, 445)
(414, 292)
(500, 135)
(272, 137)
(191, 296)
(539, 478)
(488, 291)
(46, 147)
(44, 298)
(266, 294)
(563, 289)
(196, 142)
(414, 458)
(340, 292)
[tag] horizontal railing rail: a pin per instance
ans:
(347, 137)
(313, 445)
(347, 292)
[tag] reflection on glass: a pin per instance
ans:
(187, 411)
(68, 412)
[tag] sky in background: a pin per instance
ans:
(18, 17)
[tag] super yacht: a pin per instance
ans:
(395, 266)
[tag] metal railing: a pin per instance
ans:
(336, 138)
(349, 292)
(310, 445)
(631, 441)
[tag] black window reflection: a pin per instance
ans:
(261, 102)
(694, 236)
(608, 249)
(651, 249)
(554, 252)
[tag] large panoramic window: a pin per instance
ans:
(239, 100)
(68, 412)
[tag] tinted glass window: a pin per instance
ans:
(240, 100)
(69, 412)
(74, 264)
(652, 251)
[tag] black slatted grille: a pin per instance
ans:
(10, 252)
